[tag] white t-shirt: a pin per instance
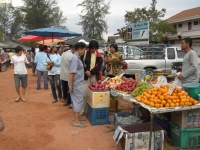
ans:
(19, 64)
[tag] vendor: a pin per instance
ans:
(190, 63)
(113, 67)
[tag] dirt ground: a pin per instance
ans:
(40, 125)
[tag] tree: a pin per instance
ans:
(42, 13)
(93, 19)
(158, 27)
(6, 19)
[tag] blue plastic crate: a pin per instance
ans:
(98, 116)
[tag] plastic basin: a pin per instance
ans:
(193, 89)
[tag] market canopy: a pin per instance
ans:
(33, 38)
(76, 39)
(52, 32)
(12, 45)
(48, 42)
(3, 45)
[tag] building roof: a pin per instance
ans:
(186, 14)
(111, 39)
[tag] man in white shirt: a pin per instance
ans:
(64, 71)
(20, 73)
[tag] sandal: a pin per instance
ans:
(80, 119)
(54, 101)
(18, 99)
(23, 99)
(81, 125)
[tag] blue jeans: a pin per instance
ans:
(55, 80)
(44, 74)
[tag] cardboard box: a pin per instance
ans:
(135, 137)
(98, 99)
(186, 118)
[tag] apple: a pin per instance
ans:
(99, 82)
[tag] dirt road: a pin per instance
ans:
(40, 125)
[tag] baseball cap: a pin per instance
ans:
(83, 41)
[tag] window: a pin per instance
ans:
(180, 25)
(172, 42)
(175, 26)
(170, 53)
(189, 25)
(180, 53)
(196, 23)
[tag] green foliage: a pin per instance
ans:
(158, 27)
(93, 19)
(42, 13)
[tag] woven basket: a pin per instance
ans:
(125, 103)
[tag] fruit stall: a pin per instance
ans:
(157, 99)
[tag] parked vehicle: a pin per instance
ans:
(153, 59)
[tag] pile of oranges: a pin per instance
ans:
(158, 97)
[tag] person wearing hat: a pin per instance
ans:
(20, 72)
(92, 61)
(54, 60)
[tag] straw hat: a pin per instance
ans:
(53, 44)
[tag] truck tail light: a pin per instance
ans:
(125, 66)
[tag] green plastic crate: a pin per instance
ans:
(185, 137)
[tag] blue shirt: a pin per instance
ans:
(56, 58)
(40, 59)
(76, 67)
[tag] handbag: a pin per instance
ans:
(2, 125)
(48, 67)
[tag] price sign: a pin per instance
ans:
(106, 79)
(172, 87)
(160, 81)
(138, 77)
(120, 76)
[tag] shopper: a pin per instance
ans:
(32, 60)
(41, 68)
(113, 68)
(76, 70)
(64, 71)
(189, 68)
(54, 60)
(20, 73)
(92, 61)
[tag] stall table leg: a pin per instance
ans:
(151, 130)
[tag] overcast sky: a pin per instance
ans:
(115, 19)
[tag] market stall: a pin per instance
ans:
(157, 98)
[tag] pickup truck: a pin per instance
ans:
(160, 61)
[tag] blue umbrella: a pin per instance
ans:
(51, 32)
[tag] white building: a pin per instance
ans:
(187, 24)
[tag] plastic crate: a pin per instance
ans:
(97, 116)
(185, 137)
(163, 124)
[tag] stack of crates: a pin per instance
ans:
(185, 128)
(98, 107)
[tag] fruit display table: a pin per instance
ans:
(154, 110)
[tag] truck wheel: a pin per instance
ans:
(150, 72)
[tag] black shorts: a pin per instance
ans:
(23, 78)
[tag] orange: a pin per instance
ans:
(167, 105)
(177, 104)
(163, 102)
(195, 102)
(161, 105)
(171, 104)
(182, 104)
(157, 105)
(169, 101)
(152, 104)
